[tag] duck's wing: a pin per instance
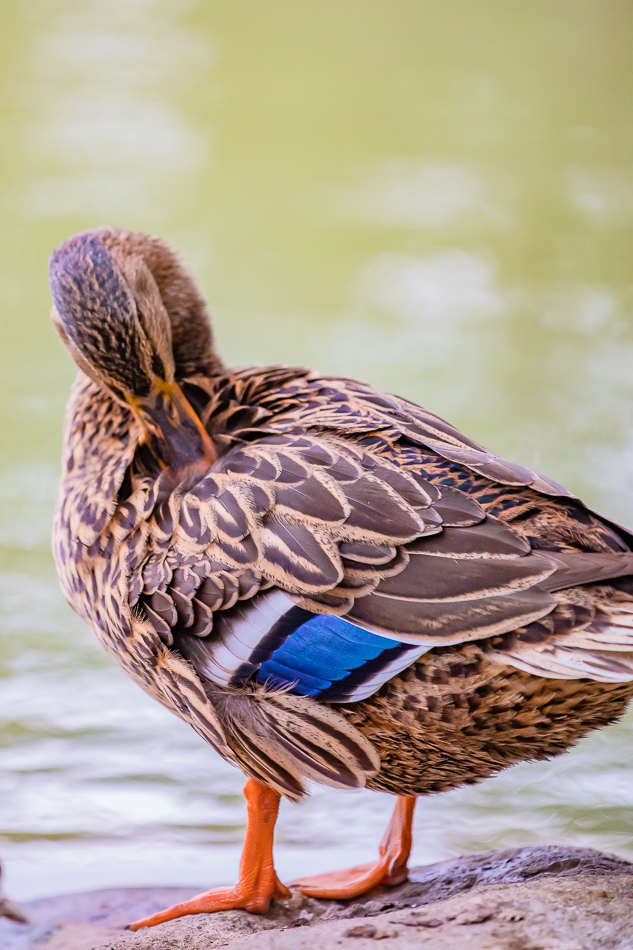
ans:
(590, 632)
(430, 431)
(337, 513)
(356, 408)
(345, 534)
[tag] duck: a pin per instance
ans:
(329, 583)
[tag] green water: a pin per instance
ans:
(437, 197)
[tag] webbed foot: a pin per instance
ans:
(258, 882)
(390, 868)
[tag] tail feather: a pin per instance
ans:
(283, 740)
(586, 567)
(256, 763)
(601, 650)
(571, 664)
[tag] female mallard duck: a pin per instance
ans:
(326, 582)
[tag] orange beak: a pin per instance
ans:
(171, 427)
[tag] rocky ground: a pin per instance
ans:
(521, 899)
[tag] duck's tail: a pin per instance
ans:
(282, 740)
(577, 641)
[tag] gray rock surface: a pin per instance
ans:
(520, 899)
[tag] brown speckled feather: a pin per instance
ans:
(290, 507)
(356, 504)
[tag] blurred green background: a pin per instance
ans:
(433, 196)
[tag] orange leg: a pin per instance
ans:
(390, 868)
(258, 882)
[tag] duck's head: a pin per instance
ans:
(134, 321)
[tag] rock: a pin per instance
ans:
(521, 899)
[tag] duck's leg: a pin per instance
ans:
(390, 868)
(258, 882)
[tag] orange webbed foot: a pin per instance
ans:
(352, 882)
(256, 899)
(258, 883)
(390, 868)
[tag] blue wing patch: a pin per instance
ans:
(269, 640)
(331, 659)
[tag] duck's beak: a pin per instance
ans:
(171, 426)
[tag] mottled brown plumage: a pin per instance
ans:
(187, 487)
